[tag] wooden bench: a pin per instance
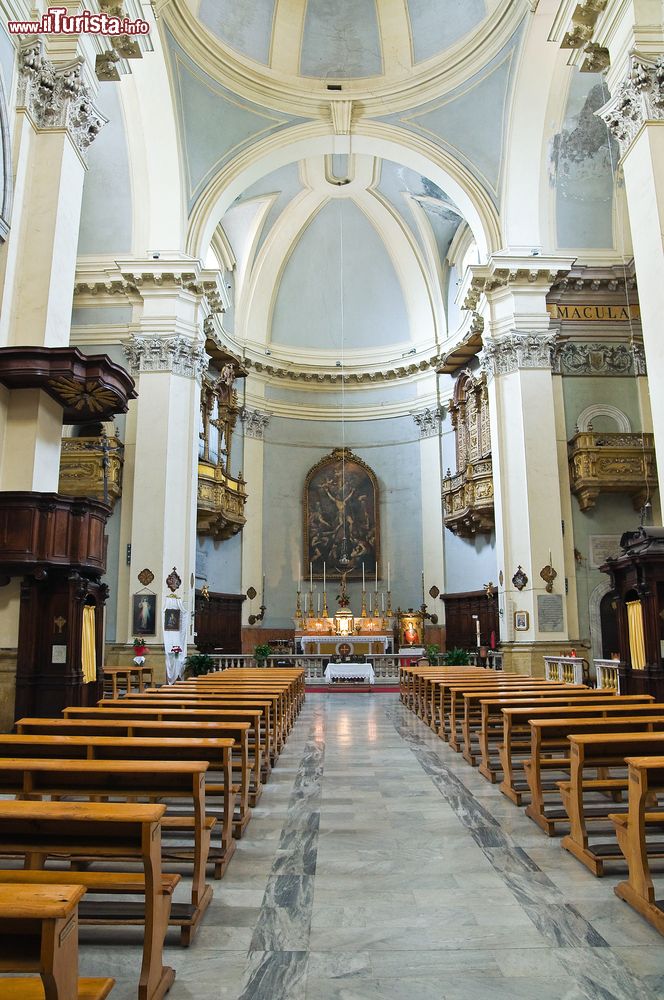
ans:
(142, 674)
(517, 741)
(592, 750)
(85, 747)
(39, 933)
(550, 752)
(442, 699)
(105, 832)
(132, 714)
(645, 781)
(129, 779)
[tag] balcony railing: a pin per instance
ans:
(84, 464)
(221, 502)
(468, 499)
(612, 463)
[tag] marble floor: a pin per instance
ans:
(379, 866)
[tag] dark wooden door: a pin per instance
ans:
(460, 627)
(219, 623)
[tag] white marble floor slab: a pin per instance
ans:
(379, 866)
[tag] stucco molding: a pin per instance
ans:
(176, 354)
(584, 421)
(638, 99)
(517, 351)
(55, 97)
(594, 358)
(429, 421)
(254, 422)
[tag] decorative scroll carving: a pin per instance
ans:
(221, 502)
(166, 354)
(612, 463)
(638, 99)
(221, 496)
(468, 495)
(429, 421)
(599, 359)
(255, 422)
(514, 351)
(56, 97)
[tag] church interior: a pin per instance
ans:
(331, 544)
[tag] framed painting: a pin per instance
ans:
(340, 508)
(521, 621)
(144, 614)
(172, 619)
(410, 630)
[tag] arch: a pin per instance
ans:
(594, 604)
(374, 139)
(586, 417)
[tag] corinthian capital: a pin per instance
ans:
(167, 354)
(428, 421)
(255, 422)
(56, 97)
(638, 99)
(515, 351)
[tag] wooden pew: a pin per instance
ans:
(517, 742)
(128, 779)
(590, 750)
(645, 781)
(472, 710)
(39, 830)
(85, 747)
(443, 701)
(157, 714)
(550, 751)
(39, 933)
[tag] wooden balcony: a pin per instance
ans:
(221, 501)
(612, 463)
(468, 499)
(91, 467)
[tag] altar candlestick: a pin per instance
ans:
(362, 576)
(382, 601)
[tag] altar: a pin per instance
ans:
(375, 644)
(341, 671)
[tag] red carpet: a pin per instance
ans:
(353, 688)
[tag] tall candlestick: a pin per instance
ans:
(362, 576)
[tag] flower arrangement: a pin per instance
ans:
(176, 650)
(140, 649)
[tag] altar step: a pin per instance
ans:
(354, 688)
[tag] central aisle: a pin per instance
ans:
(379, 865)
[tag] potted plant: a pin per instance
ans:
(431, 651)
(197, 664)
(140, 650)
(457, 658)
(261, 653)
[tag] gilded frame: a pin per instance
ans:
(321, 544)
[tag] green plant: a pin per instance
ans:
(198, 664)
(456, 657)
(263, 650)
(432, 650)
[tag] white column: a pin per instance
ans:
(518, 351)
(254, 423)
(167, 359)
(428, 422)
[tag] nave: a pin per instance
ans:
(378, 864)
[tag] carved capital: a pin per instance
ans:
(429, 421)
(255, 422)
(56, 97)
(516, 351)
(167, 354)
(638, 99)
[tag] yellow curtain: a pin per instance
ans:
(88, 645)
(637, 644)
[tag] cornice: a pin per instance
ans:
(309, 97)
(352, 414)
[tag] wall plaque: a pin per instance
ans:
(602, 547)
(59, 654)
(594, 313)
(550, 616)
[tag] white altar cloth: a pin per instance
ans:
(364, 670)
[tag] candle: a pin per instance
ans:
(311, 577)
(423, 597)
(376, 587)
(318, 605)
(369, 602)
(388, 578)
(477, 628)
(550, 563)
(263, 594)
(382, 601)
(299, 576)
(363, 576)
(323, 576)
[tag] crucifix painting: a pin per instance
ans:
(341, 515)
